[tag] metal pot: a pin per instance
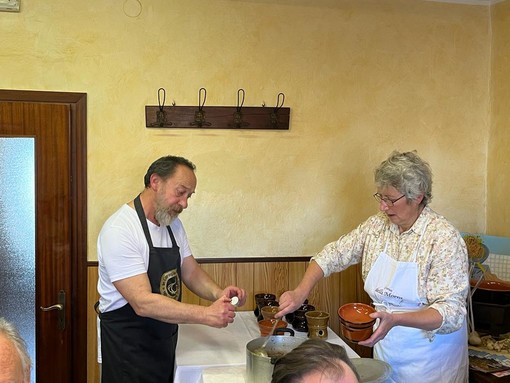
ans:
(259, 369)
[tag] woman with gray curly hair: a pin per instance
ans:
(415, 270)
(15, 362)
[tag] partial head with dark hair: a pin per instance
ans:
(315, 360)
(165, 167)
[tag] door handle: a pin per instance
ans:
(60, 307)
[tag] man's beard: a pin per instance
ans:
(165, 216)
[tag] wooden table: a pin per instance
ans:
(222, 352)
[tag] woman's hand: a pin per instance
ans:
(427, 319)
(386, 322)
(289, 301)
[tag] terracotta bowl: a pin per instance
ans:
(356, 314)
(356, 334)
(266, 325)
(357, 326)
(268, 312)
(355, 322)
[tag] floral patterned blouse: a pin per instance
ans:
(442, 259)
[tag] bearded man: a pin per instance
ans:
(144, 257)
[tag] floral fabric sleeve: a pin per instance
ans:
(349, 249)
(444, 274)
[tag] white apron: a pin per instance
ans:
(393, 287)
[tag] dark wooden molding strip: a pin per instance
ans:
(238, 260)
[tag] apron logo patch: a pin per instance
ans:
(388, 296)
(170, 285)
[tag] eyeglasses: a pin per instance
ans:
(388, 201)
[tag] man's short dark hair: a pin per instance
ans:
(165, 167)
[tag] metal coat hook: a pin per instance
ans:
(200, 114)
(280, 99)
(200, 102)
(240, 103)
(161, 104)
(161, 115)
(238, 116)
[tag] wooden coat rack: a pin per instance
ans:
(217, 117)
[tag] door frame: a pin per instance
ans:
(78, 219)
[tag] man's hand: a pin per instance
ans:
(220, 314)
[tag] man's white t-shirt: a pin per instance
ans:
(123, 252)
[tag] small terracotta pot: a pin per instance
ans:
(261, 300)
(268, 312)
(263, 297)
(266, 325)
(299, 319)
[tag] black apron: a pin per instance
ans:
(135, 349)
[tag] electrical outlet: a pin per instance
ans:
(9, 5)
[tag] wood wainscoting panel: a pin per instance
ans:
(244, 279)
(270, 277)
(226, 274)
(92, 298)
(296, 272)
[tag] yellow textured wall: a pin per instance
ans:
(498, 164)
(362, 77)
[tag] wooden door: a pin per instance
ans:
(57, 122)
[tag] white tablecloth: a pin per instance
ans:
(209, 355)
